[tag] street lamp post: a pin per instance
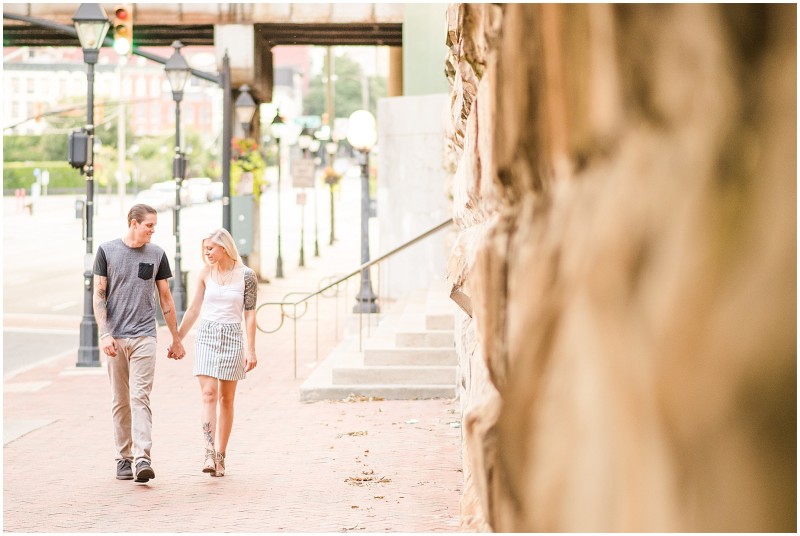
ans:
(362, 136)
(276, 128)
(227, 135)
(304, 141)
(91, 23)
(330, 148)
(178, 73)
(245, 109)
(314, 148)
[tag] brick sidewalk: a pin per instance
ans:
(345, 466)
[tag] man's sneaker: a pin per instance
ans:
(124, 471)
(144, 472)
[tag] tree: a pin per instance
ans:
(348, 90)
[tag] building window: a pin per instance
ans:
(77, 84)
(155, 87)
(141, 87)
(31, 85)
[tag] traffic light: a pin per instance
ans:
(123, 29)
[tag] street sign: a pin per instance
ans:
(303, 173)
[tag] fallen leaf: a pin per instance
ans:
(360, 433)
(360, 481)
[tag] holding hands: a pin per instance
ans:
(176, 350)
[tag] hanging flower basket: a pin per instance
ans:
(247, 167)
(331, 177)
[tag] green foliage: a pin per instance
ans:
(153, 161)
(30, 148)
(348, 89)
(204, 156)
(62, 176)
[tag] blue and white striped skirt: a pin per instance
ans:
(218, 351)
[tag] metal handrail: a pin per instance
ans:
(319, 292)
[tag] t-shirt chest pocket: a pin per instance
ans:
(146, 270)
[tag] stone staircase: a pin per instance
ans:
(410, 354)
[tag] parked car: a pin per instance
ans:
(199, 190)
(157, 199)
(216, 190)
(168, 188)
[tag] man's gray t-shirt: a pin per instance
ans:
(130, 294)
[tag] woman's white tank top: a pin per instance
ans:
(224, 303)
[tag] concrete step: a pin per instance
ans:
(424, 338)
(392, 356)
(439, 321)
(394, 375)
(388, 392)
(413, 357)
(439, 308)
(408, 353)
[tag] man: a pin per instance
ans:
(126, 273)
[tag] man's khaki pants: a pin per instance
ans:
(131, 374)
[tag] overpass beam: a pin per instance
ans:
(250, 58)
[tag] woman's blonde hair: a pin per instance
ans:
(223, 238)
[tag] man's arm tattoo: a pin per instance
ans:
(100, 301)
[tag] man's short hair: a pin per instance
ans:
(139, 213)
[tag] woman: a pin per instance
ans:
(226, 290)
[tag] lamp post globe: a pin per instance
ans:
(361, 132)
(178, 73)
(277, 128)
(304, 142)
(362, 136)
(91, 24)
(245, 108)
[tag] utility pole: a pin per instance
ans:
(121, 112)
(329, 93)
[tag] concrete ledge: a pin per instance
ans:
(14, 429)
(388, 392)
(393, 375)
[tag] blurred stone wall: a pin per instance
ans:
(625, 190)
